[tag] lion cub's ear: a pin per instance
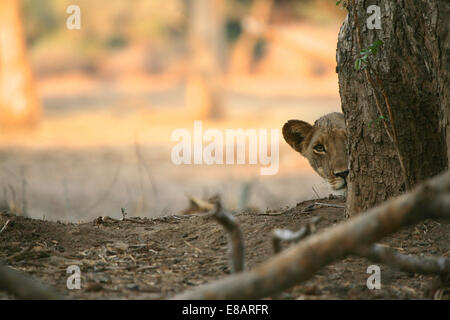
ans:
(295, 132)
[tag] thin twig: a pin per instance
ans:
(317, 195)
(20, 254)
(105, 194)
(143, 164)
(132, 219)
(24, 192)
(124, 213)
(329, 205)
(4, 226)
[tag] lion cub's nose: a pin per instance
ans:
(342, 174)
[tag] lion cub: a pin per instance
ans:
(323, 144)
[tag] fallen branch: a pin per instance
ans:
(407, 263)
(329, 205)
(105, 219)
(376, 253)
(197, 205)
(292, 236)
(287, 235)
(124, 217)
(24, 287)
(228, 221)
(300, 262)
(19, 255)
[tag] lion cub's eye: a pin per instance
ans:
(319, 148)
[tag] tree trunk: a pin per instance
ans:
(409, 74)
(19, 105)
(206, 49)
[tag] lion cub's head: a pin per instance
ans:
(323, 144)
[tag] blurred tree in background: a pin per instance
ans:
(106, 27)
(242, 55)
(197, 41)
(19, 105)
(162, 27)
(204, 97)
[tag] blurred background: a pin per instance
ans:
(86, 115)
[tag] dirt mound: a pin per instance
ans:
(157, 258)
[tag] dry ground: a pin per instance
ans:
(157, 258)
(78, 165)
(105, 143)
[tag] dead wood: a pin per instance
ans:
(407, 263)
(329, 205)
(300, 262)
(375, 253)
(280, 235)
(287, 235)
(24, 287)
(5, 226)
(228, 221)
(197, 205)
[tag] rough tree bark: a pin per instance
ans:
(19, 105)
(410, 73)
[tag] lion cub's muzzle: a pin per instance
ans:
(338, 180)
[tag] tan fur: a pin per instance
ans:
(327, 133)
